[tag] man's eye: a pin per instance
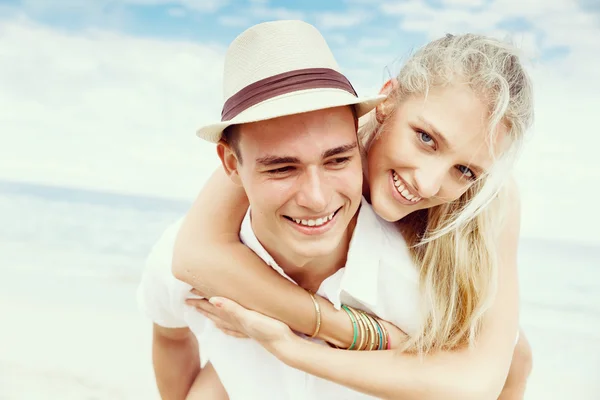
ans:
(339, 161)
(281, 170)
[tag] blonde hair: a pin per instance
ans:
(454, 244)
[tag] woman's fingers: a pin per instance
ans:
(217, 316)
(234, 334)
(251, 323)
(202, 305)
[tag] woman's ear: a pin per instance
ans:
(381, 112)
(389, 86)
(229, 161)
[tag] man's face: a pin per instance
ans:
(303, 177)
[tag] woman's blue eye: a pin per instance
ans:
(425, 137)
(466, 171)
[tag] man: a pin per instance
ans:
(288, 136)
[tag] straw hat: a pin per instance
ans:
(281, 68)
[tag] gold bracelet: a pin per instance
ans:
(362, 329)
(375, 337)
(371, 330)
(318, 311)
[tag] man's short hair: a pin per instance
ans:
(231, 136)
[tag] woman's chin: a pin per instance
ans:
(389, 209)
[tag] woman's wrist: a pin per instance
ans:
(335, 328)
(286, 349)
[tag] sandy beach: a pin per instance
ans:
(54, 348)
(71, 328)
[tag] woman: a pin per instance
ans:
(462, 224)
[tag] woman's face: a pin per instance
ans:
(430, 152)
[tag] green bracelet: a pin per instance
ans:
(380, 333)
(353, 325)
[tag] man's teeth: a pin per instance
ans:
(314, 222)
(403, 191)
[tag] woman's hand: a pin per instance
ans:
(219, 318)
(238, 321)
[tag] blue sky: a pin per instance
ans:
(375, 30)
(107, 94)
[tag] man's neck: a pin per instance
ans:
(310, 273)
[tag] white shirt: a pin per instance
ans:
(379, 277)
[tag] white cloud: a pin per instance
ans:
(267, 13)
(101, 6)
(345, 19)
(258, 11)
(196, 5)
(366, 43)
(560, 168)
(467, 3)
(106, 111)
(234, 21)
(337, 39)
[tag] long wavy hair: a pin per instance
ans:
(454, 244)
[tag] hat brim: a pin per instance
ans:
(292, 103)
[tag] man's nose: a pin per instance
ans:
(313, 192)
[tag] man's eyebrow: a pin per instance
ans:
(339, 150)
(270, 160)
(436, 132)
(267, 161)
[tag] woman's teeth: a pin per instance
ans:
(402, 189)
(315, 222)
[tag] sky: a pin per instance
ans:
(107, 94)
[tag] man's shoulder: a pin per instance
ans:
(390, 231)
(385, 236)
(161, 254)
(160, 295)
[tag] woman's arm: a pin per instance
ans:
(478, 373)
(209, 256)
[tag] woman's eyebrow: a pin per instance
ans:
(436, 132)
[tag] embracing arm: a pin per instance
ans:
(478, 373)
(209, 256)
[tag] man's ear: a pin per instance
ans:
(229, 161)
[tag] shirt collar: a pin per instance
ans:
(360, 274)
(251, 241)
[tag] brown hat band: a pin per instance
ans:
(287, 82)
